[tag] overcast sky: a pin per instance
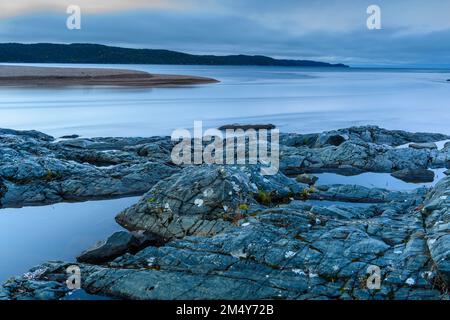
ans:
(414, 32)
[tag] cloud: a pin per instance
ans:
(414, 32)
(23, 7)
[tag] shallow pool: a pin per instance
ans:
(32, 235)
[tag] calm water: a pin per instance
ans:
(33, 235)
(295, 99)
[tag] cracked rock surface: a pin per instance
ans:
(35, 169)
(228, 232)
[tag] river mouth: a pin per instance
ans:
(32, 235)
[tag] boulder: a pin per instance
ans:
(414, 175)
(117, 244)
(205, 200)
(307, 179)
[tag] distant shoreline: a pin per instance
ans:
(56, 76)
(100, 54)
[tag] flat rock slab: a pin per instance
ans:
(430, 145)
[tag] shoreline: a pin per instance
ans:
(56, 76)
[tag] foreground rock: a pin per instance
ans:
(228, 232)
(206, 200)
(267, 249)
(117, 244)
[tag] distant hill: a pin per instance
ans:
(95, 53)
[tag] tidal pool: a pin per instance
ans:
(32, 235)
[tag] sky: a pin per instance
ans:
(413, 32)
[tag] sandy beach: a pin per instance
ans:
(50, 76)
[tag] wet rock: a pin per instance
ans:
(429, 145)
(414, 175)
(447, 172)
(307, 179)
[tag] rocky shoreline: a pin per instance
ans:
(227, 232)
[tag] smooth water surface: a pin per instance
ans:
(295, 99)
(32, 235)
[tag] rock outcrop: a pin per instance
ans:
(228, 232)
(295, 250)
(35, 169)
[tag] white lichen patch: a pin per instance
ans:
(427, 275)
(198, 202)
(235, 186)
(208, 193)
(238, 254)
(410, 281)
(35, 274)
(299, 272)
(289, 254)
(151, 261)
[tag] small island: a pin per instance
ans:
(51, 76)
